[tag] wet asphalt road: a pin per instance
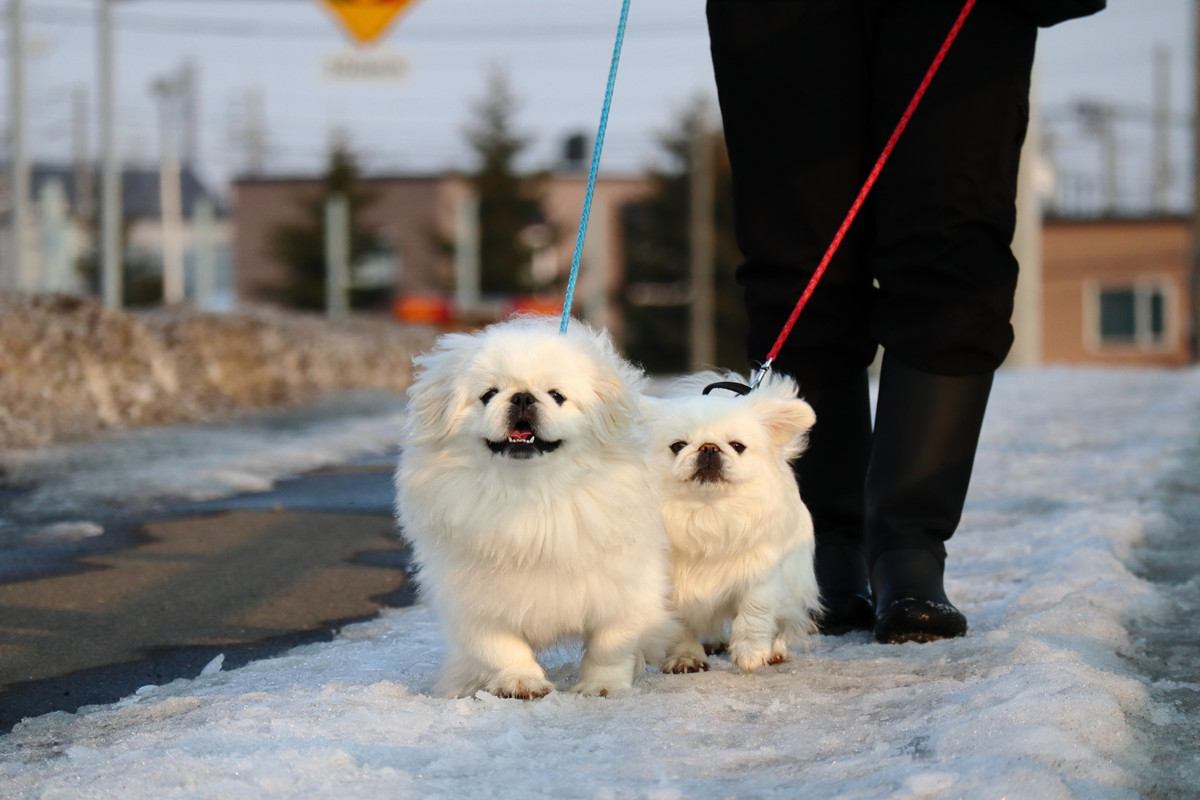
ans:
(158, 596)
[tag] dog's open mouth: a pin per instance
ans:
(522, 442)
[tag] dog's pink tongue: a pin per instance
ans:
(520, 436)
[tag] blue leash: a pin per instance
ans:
(569, 297)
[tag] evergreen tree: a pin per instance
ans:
(508, 202)
(658, 250)
(141, 275)
(301, 245)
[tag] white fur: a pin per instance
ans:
(741, 548)
(516, 554)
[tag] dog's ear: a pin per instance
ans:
(617, 384)
(619, 401)
(788, 422)
(786, 417)
(438, 392)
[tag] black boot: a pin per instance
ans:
(831, 474)
(926, 431)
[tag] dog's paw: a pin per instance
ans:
(779, 653)
(750, 658)
(520, 687)
(683, 664)
(596, 687)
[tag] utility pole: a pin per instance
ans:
(56, 245)
(18, 185)
(1107, 131)
(703, 309)
(1194, 333)
(170, 186)
(337, 256)
(189, 92)
(466, 252)
(247, 133)
(205, 248)
(1027, 345)
(85, 200)
(1162, 130)
(110, 175)
(1100, 120)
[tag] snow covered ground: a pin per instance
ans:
(75, 488)
(1037, 701)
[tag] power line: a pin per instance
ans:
(230, 27)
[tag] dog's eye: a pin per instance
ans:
(557, 396)
(488, 395)
(738, 447)
(677, 446)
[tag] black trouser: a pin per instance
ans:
(810, 90)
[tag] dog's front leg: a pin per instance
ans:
(609, 660)
(752, 637)
(504, 664)
(686, 655)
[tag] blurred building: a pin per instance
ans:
(419, 218)
(1117, 290)
(1114, 290)
(61, 241)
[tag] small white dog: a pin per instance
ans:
(741, 539)
(524, 489)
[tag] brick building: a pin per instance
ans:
(1117, 291)
(1113, 290)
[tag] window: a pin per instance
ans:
(1132, 315)
(1118, 316)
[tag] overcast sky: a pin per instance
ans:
(556, 53)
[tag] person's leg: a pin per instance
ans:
(791, 77)
(944, 219)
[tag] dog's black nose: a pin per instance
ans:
(708, 457)
(523, 400)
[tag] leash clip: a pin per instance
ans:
(759, 374)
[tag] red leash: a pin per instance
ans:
(856, 206)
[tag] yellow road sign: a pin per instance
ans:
(366, 20)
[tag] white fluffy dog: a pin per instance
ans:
(741, 539)
(524, 489)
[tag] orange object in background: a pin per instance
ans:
(535, 305)
(431, 309)
(423, 309)
(366, 20)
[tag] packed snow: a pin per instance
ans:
(1037, 701)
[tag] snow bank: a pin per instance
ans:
(1035, 702)
(70, 368)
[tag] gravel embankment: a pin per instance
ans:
(70, 368)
